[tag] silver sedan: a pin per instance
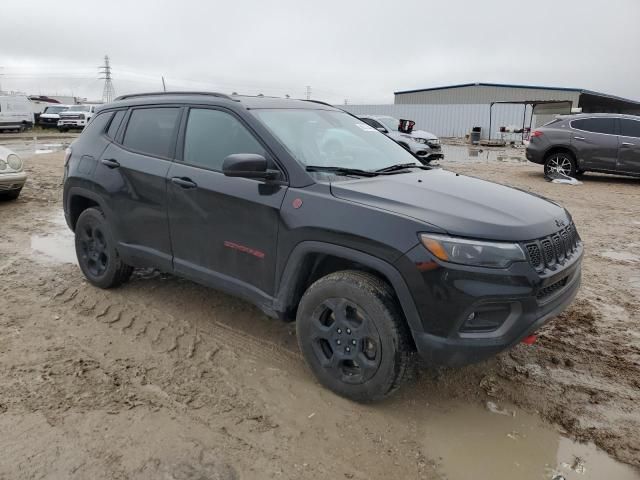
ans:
(12, 176)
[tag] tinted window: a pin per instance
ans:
(372, 122)
(212, 135)
(150, 130)
(115, 123)
(629, 128)
(596, 125)
(98, 124)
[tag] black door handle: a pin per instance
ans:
(184, 182)
(110, 162)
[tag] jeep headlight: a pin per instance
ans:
(14, 162)
(419, 140)
(477, 253)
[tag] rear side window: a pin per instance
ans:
(371, 122)
(97, 124)
(596, 125)
(212, 135)
(115, 123)
(629, 128)
(151, 130)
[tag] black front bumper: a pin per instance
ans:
(446, 295)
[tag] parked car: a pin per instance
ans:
(315, 217)
(12, 176)
(589, 142)
(75, 117)
(423, 144)
(51, 115)
(15, 113)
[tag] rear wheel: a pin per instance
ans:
(560, 162)
(353, 336)
(96, 252)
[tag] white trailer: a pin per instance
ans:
(16, 112)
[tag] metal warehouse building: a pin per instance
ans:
(452, 111)
(486, 93)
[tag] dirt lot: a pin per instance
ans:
(166, 379)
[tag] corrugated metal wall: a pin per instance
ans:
(479, 94)
(450, 120)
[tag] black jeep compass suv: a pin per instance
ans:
(317, 217)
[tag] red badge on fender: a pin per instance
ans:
(297, 203)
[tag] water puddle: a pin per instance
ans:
(27, 147)
(503, 443)
(621, 256)
(463, 153)
(56, 246)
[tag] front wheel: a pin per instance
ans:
(562, 163)
(96, 252)
(353, 336)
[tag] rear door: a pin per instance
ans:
(223, 230)
(596, 142)
(132, 171)
(629, 152)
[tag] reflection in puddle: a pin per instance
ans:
(56, 246)
(472, 442)
(463, 153)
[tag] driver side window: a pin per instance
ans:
(212, 135)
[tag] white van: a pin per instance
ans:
(16, 112)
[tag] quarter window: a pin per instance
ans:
(151, 131)
(98, 123)
(115, 123)
(629, 128)
(596, 125)
(212, 135)
(372, 123)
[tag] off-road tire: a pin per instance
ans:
(374, 298)
(106, 270)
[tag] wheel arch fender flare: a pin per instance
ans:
(80, 191)
(293, 274)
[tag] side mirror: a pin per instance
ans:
(247, 165)
(382, 129)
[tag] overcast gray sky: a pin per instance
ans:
(360, 50)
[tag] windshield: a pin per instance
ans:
(79, 108)
(389, 123)
(54, 109)
(333, 139)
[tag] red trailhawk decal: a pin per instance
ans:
(244, 249)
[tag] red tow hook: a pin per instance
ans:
(530, 340)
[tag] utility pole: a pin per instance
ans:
(164, 86)
(105, 71)
(308, 92)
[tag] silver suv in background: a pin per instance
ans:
(423, 144)
(588, 142)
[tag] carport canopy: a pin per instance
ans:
(546, 107)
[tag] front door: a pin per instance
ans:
(629, 153)
(224, 230)
(596, 142)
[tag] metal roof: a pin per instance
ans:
(508, 85)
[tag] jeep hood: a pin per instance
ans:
(463, 206)
(423, 134)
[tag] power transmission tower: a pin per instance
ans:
(308, 92)
(105, 71)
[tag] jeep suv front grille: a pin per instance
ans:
(546, 252)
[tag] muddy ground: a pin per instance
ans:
(163, 378)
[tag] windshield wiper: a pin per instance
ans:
(341, 170)
(399, 166)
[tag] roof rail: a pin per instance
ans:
(154, 94)
(320, 102)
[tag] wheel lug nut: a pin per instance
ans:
(339, 330)
(338, 342)
(348, 349)
(353, 342)
(349, 331)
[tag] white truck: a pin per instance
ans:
(76, 117)
(15, 113)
